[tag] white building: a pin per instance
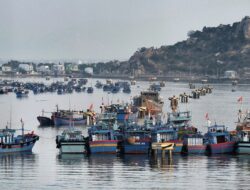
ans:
(43, 69)
(230, 74)
(74, 67)
(6, 69)
(58, 68)
(26, 67)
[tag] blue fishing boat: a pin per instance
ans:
(67, 117)
(10, 143)
(21, 93)
(90, 90)
(163, 135)
(104, 136)
(122, 113)
(218, 140)
(137, 139)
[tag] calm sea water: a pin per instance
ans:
(44, 168)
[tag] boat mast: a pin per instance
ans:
(22, 127)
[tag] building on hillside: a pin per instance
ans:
(28, 68)
(43, 69)
(6, 69)
(230, 74)
(58, 69)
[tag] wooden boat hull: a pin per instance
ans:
(221, 148)
(105, 146)
(243, 148)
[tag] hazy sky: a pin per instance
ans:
(104, 29)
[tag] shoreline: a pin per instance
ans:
(188, 79)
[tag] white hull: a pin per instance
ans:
(243, 148)
(73, 147)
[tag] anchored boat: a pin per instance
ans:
(137, 140)
(194, 144)
(10, 143)
(243, 132)
(218, 140)
(71, 141)
(104, 136)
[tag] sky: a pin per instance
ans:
(95, 30)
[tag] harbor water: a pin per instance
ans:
(45, 168)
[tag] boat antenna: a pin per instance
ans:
(10, 112)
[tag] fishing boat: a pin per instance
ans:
(137, 140)
(90, 90)
(21, 93)
(193, 144)
(179, 119)
(149, 102)
(66, 117)
(10, 142)
(122, 113)
(155, 87)
(71, 141)
(243, 133)
(104, 136)
(164, 136)
(218, 140)
(45, 121)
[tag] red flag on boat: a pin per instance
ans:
(206, 116)
(240, 99)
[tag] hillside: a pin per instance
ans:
(210, 51)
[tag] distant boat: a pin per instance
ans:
(21, 93)
(127, 89)
(71, 141)
(10, 143)
(90, 90)
(191, 86)
(132, 82)
(155, 87)
(162, 84)
(98, 84)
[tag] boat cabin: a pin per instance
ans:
(218, 134)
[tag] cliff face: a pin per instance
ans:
(212, 50)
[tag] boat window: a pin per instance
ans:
(221, 139)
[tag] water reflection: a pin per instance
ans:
(17, 168)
